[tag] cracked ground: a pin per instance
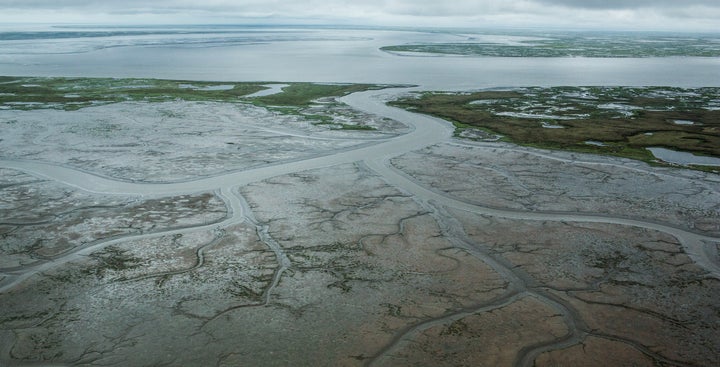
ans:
(373, 278)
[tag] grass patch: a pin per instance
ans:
(76, 93)
(319, 119)
(625, 120)
(355, 127)
(299, 99)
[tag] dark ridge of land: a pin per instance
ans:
(561, 45)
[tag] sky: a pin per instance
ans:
(658, 15)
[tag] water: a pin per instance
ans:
(322, 55)
(595, 143)
(272, 89)
(683, 122)
(683, 158)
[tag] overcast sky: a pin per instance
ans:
(689, 15)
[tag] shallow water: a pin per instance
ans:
(332, 55)
(595, 143)
(272, 89)
(208, 87)
(683, 158)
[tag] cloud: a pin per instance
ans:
(615, 14)
(629, 4)
(455, 7)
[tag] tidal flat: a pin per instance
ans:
(187, 223)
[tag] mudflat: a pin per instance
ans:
(232, 231)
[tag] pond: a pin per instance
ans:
(683, 158)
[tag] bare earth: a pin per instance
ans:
(208, 234)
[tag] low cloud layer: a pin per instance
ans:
(630, 4)
(614, 14)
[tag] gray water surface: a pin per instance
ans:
(683, 158)
(332, 55)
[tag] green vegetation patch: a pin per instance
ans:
(579, 45)
(301, 99)
(75, 93)
(355, 127)
(618, 121)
